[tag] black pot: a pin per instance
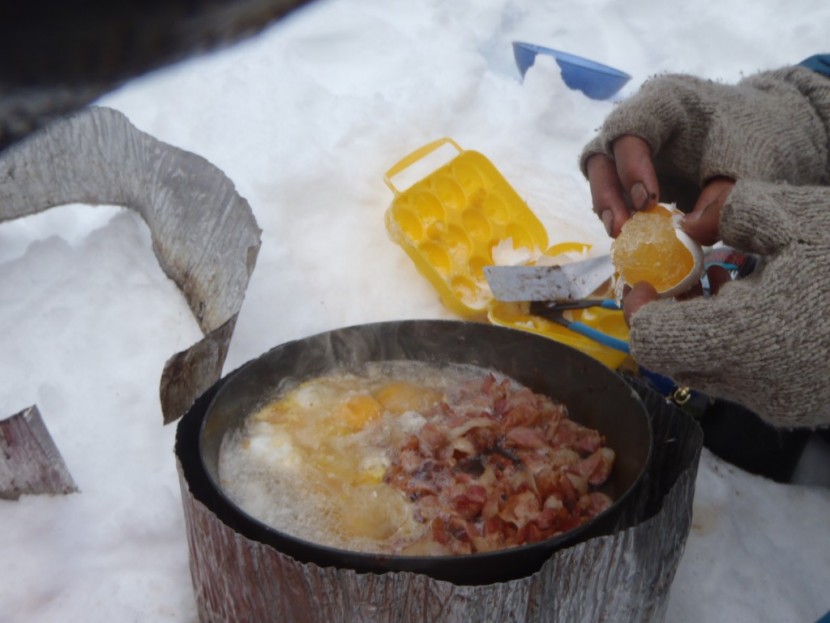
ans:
(595, 396)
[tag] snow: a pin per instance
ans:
(306, 118)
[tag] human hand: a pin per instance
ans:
(702, 225)
(632, 168)
(763, 341)
(687, 132)
(622, 183)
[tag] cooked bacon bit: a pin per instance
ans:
(520, 508)
(547, 481)
(410, 461)
(433, 437)
(469, 502)
(522, 480)
(579, 483)
(463, 448)
(439, 531)
(488, 382)
(484, 438)
(567, 492)
(428, 508)
(577, 437)
(490, 509)
(461, 429)
(507, 468)
(562, 457)
(472, 466)
(595, 468)
(525, 437)
(598, 502)
(553, 503)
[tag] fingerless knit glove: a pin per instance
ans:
(763, 341)
(772, 126)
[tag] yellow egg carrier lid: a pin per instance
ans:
(449, 223)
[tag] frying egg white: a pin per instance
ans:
(312, 462)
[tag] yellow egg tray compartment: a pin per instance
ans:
(448, 223)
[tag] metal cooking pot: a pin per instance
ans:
(593, 393)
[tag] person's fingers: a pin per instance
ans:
(703, 222)
(717, 276)
(693, 292)
(606, 193)
(635, 171)
(640, 294)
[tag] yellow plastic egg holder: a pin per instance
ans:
(449, 222)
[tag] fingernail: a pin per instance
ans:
(639, 196)
(608, 221)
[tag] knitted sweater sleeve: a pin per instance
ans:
(763, 341)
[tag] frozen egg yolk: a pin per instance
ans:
(358, 411)
(401, 397)
(651, 247)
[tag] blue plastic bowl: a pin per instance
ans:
(595, 80)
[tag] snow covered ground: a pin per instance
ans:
(305, 119)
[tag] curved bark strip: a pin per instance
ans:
(30, 463)
(204, 234)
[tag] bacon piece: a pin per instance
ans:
(553, 502)
(587, 440)
(440, 534)
(471, 423)
(432, 437)
(577, 437)
(491, 507)
(593, 503)
(463, 448)
(596, 467)
(468, 500)
(410, 461)
(524, 408)
(578, 482)
(488, 383)
(473, 467)
(520, 508)
(525, 437)
(561, 457)
(506, 468)
(483, 438)
(534, 460)
(566, 491)
(428, 508)
(547, 481)
(547, 519)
